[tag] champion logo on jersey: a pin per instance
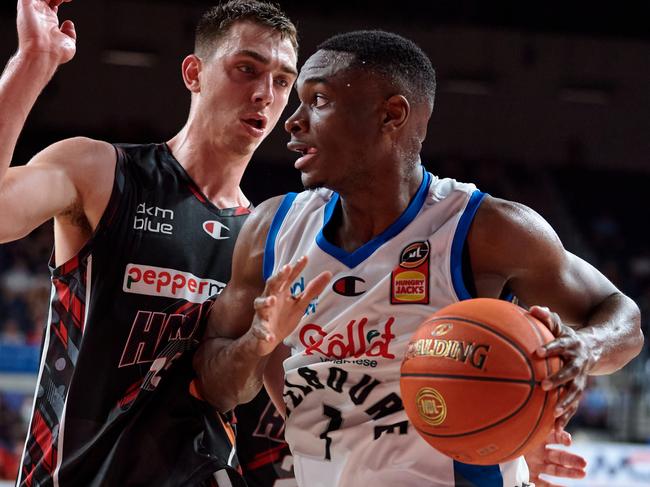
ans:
(348, 286)
(216, 230)
(409, 282)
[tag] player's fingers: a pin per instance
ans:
(546, 316)
(262, 333)
(263, 302)
(558, 437)
(562, 437)
(557, 347)
(295, 270)
(562, 471)
(540, 482)
(562, 421)
(562, 377)
(569, 397)
(316, 286)
(275, 282)
(68, 29)
(56, 3)
(567, 459)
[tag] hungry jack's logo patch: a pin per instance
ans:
(409, 283)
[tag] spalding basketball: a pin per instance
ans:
(471, 382)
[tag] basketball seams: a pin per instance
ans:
(530, 383)
(507, 339)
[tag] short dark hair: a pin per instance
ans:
(216, 22)
(392, 56)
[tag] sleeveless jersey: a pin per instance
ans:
(263, 454)
(346, 425)
(114, 403)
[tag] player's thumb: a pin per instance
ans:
(68, 29)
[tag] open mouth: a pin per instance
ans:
(255, 123)
(307, 153)
(303, 149)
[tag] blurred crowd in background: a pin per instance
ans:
(604, 226)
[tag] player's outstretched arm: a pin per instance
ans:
(250, 318)
(72, 178)
(42, 46)
(597, 328)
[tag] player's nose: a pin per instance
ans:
(297, 122)
(263, 92)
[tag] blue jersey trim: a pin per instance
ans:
(355, 258)
(477, 475)
(456, 264)
(269, 247)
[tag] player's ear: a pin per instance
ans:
(191, 68)
(396, 112)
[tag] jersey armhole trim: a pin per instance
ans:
(460, 236)
(274, 229)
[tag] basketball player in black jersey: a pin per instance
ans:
(143, 236)
(365, 100)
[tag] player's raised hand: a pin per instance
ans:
(39, 32)
(277, 311)
(576, 360)
(553, 461)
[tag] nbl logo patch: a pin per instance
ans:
(409, 283)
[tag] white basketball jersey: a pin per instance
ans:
(346, 425)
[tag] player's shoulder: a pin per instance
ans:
(508, 228)
(265, 211)
(85, 161)
(84, 146)
(260, 219)
(508, 215)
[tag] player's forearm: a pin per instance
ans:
(230, 372)
(613, 334)
(22, 81)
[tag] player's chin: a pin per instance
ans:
(310, 182)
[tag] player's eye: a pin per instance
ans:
(246, 68)
(319, 101)
(283, 82)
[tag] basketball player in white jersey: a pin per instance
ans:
(386, 244)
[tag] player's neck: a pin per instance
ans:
(216, 173)
(365, 213)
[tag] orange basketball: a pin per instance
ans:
(471, 383)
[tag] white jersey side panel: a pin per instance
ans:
(347, 426)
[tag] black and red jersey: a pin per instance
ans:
(114, 404)
(264, 456)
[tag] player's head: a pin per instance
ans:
(366, 98)
(241, 73)
(215, 23)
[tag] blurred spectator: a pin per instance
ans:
(11, 333)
